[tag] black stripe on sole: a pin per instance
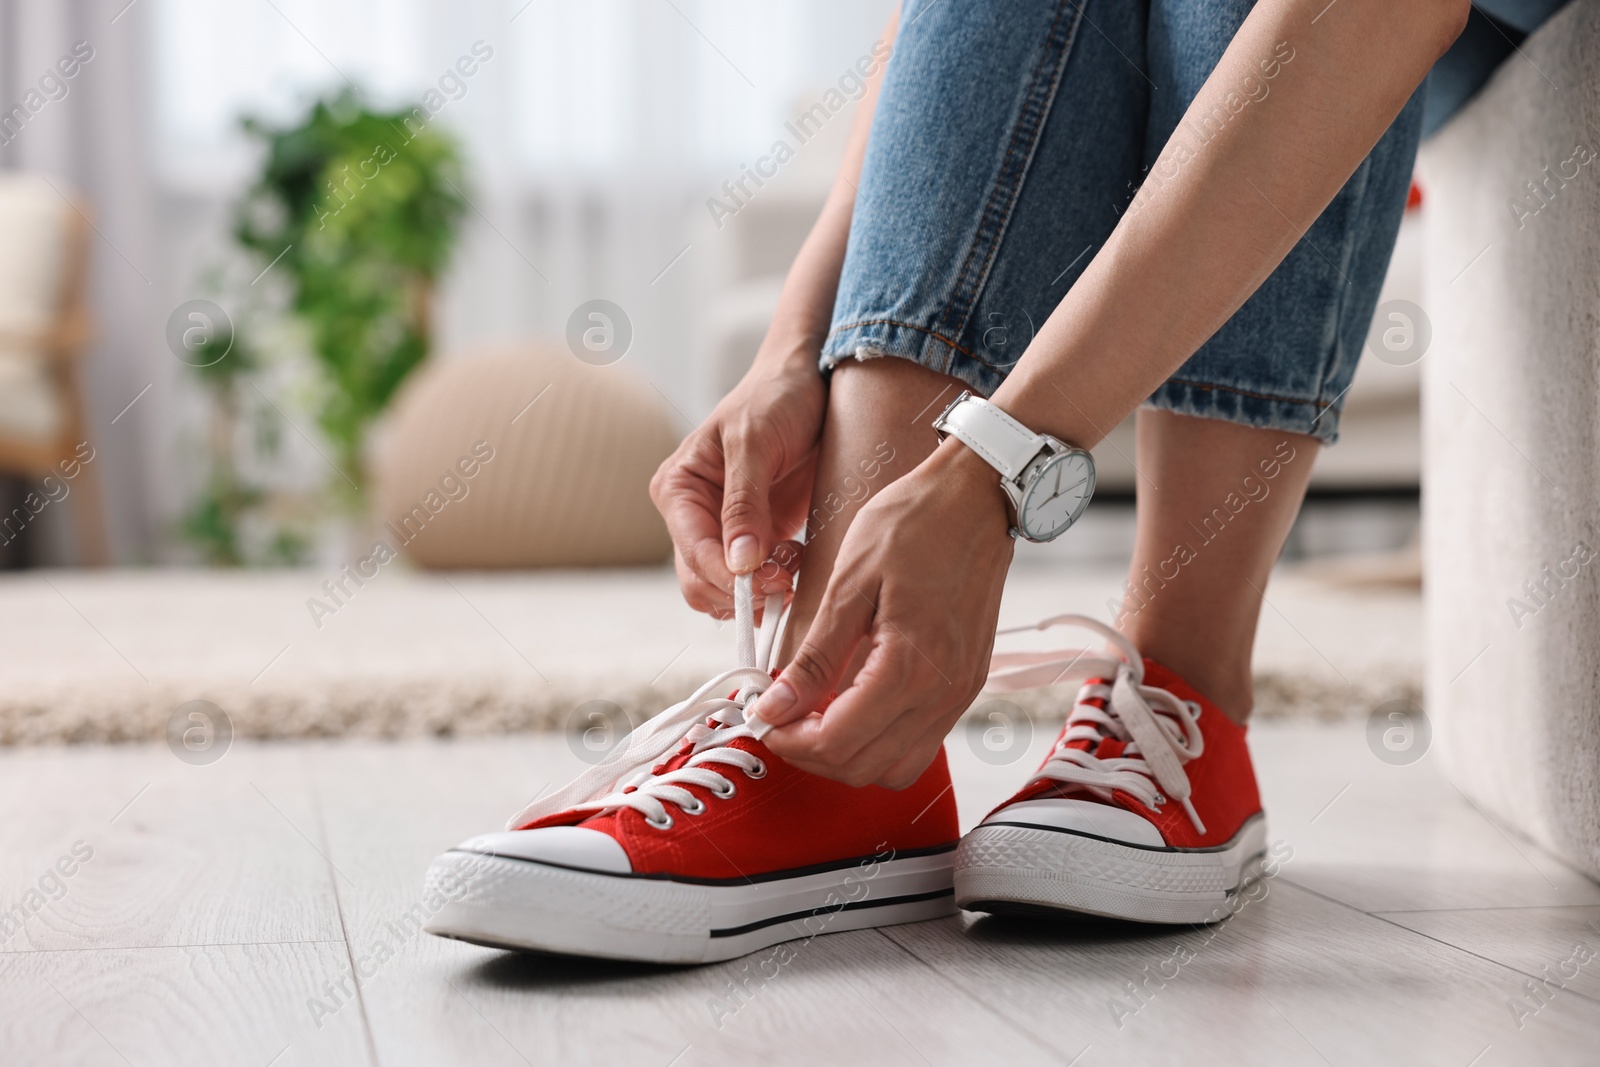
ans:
(855, 905)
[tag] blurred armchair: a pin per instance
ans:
(44, 324)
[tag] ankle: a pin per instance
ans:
(1232, 692)
(1221, 676)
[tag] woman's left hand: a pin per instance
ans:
(918, 578)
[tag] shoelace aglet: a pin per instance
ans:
(1194, 817)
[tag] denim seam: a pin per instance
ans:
(1208, 386)
(1007, 188)
(837, 330)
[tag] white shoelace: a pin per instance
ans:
(708, 719)
(1161, 731)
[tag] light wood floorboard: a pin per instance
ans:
(223, 907)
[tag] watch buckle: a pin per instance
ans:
(938, 423)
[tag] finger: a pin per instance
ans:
(791, 494)
(871, 764)
(687, 490)
(904, 772)
(847, 724)
(937, 721)
(701, 591)
(894, 759)
(899, 769)
(843, 619)
(749, 467)
(776, 575)
(867, 727)
(700, 594)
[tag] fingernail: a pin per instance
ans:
(773, 704)
(744, 555)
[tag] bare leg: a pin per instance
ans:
(878, 428)
(1216, 500)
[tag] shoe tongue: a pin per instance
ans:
(720, 720)
(1086, 744)
(1105, 746)
(679, 757)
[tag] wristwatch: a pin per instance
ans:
(1048, 482)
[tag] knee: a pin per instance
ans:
(884, 385)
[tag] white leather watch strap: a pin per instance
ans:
(1003, 442)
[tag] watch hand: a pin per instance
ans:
(1059, 491)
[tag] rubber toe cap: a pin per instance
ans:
(1082, 817)
(566, 846)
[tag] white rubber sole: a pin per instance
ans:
(1028, 869)
(520, 904)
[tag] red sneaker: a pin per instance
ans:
(692, 842)
(1146, 808)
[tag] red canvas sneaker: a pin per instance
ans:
(692, 843)
(1146, 808)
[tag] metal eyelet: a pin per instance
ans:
(664, 824)
(724, 794)
(1160, 800)
(698, 809)
(760, 771)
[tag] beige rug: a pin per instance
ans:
(109, 656)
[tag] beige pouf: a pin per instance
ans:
(523, 456)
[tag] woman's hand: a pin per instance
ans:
(737, 488)
(918, 579)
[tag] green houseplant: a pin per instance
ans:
(240, 516)
(356, 210)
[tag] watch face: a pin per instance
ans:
(1056, 496)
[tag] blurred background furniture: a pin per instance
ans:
(1512, 432)
(573, 448)
(44, 324)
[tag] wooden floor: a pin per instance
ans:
(220, 907)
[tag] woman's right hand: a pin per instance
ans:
(735, 492)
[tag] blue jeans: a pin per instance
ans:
(1010, 136)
